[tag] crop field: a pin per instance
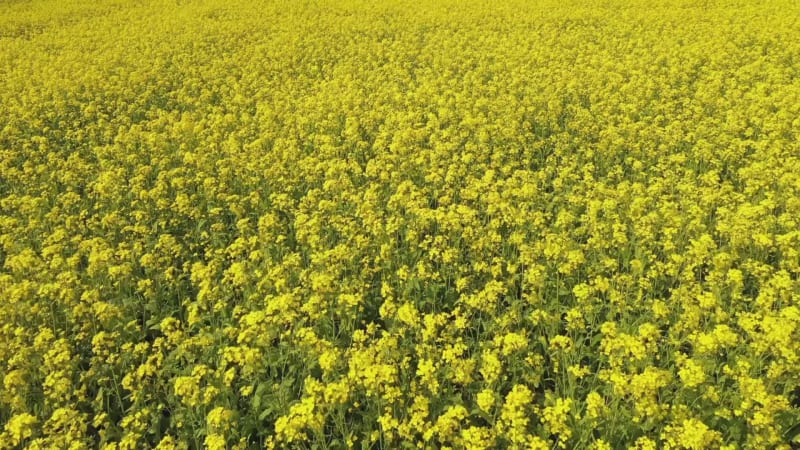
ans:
(430, 224)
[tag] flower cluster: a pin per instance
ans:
(433, 224)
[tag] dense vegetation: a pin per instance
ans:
(464, 224)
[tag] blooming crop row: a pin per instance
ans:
(401, 224)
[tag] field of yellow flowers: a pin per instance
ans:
(330, 224)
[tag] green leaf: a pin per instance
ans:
(265, 413)
(793, 433)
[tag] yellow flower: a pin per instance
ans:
(450, 422)
(511, 342)
(167, 443)
(302, 416)
(691, 434)
(515, 415)
(19, 428)
(491, 367)
(477, 438)
(215, 441)
(555, 418)
(188, 388)
(219, 418)
(337, 393)
(399, 207)
(692, 374)
(486, 400)
(643, 443)
(595, 406)
(426, 371)
(600, 445)
(328, 360)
